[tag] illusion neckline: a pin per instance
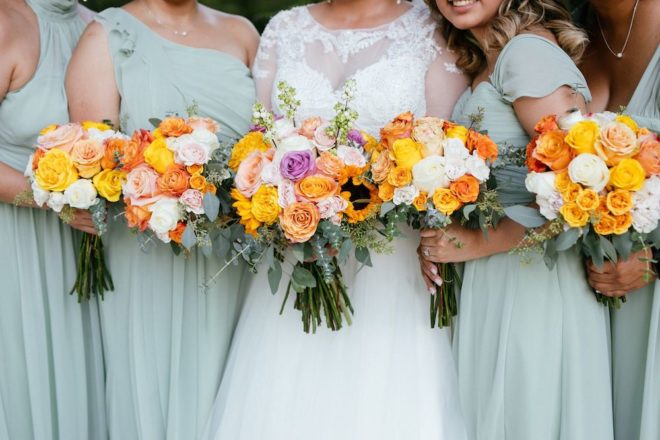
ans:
(379, 27)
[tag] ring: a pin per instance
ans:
(426, 252)
(599, 292)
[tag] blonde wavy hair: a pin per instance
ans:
(513, 18)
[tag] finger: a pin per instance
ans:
(595, 277)
(428, 233)
(87, 229)
(618, 293)
(429, 283)
(431, 271)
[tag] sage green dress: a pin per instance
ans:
(51, 367)
(531, 343)
(636, 325)
(165, 339)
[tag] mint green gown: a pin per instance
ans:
(531, 344)
(51, 367)
(165, 339)
(636, 325)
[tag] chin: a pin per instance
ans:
(468, 14)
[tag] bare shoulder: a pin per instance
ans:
(12, 25)
(94, 35)
(239, 27)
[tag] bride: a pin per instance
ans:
(389, 375)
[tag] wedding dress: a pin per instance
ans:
(389, 375)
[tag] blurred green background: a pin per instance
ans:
(259, 11)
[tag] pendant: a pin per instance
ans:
(619, 55)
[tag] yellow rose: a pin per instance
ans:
(370, 143)
(587, 199)
(198, 182)
(265, 206)
(622, 223)
(159, 156)
(252, 141)
(406, 153)
(574, 216)
(157, 133)
(86, 125)
(582, 136)
(619, 201)
(445, 201)
(628, 174)
(606, 225)
(457, 132)
(56, 171)
(571, 193)
(48, 129)
(385, 192)
(108, 184)
(625, 119)
(420, 201)
(562, 181)
(399, 176)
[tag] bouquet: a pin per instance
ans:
(71, 169)
(596, 178)
(431, 172)
(303, 189)
(174, 177)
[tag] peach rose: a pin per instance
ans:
(485, 147)
(380, 166)
(140, 183)
(62, 138)
(248, 177)
(173, 182)
(316, 187)
(329, 164)
(617, 141)
(137, 216)
(552, 150)
(309, 126)
(199, 123)
(174, 126)
(399, 128)
(86, 155)
(548, 123)
(465, 188)
(428, 132)
(399, 176)
(299, 221)
(649, 154)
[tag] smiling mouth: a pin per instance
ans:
(461, 3)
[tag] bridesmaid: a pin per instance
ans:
(165, 340)
(51, 370)
(631, 28)
(530, 343)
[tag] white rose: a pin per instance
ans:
(292, 143)
(405, 195)
(56, 201)
(477, 167)
(645, 220)
(102, 136)
(165, 214)
(567, 121)
(454, 148)
(603, 118)
(29, 172)
(455, 167)
(589, 170)
(192, 200)
(81, 194)
(284, 128)
(164, 237)
(40, 195)
(429, 174)
(541, 184)
(207, 138)
(351, 156)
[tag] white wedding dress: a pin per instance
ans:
(389, 375)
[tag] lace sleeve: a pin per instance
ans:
(265, 63)
(444, 82)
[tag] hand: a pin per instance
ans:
(618, 279)
(429, 272)
(454, 244)
(82, 220)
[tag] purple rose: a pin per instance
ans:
(255, 127)
(297, 164)
(356, 137)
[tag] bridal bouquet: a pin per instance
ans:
(431, 172)
(173, 175)
(71, 169)
(301, 191)
(596, 178)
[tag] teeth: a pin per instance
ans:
(460, 3)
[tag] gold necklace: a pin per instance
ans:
(619, 55)
(161, 24)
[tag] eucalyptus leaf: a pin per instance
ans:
(155, 122)
(175, 248)
(298, 252)
(303, 277)
(386, 207)
(567, 239)
(308, 251)
(526, 216)
(188, 239)
(363, 255)
(468, 209)
(593, 249)
(207, 249)
(211, 206)
(345, 251)
(623, 245)
(274, 276)
(608, 249)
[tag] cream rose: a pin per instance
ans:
(569, 120)
(455, 148)
(429, 174)
(165, 214)
(40, 195)
(428, 132)
(81, 194)
(284, 128)
(405, 195)
(477, 167)
(207, 138)
(589, 170)
(541, 184)
(56, 201)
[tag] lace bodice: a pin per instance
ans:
(400, 66)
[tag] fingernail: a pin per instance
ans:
(438, 281)
(434, 270)
(431, 290)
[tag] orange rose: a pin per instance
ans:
(619, 201)
(552, 150)
(86, 155)
(420, 201)
(617, 141)
(173, 182)
(210, 188)
(198, 182)
(548, 123)
(385, 192)
(316, 187)
(299, 221)
(532, 163)
(195, 169)
(38, 154)
(329, 164)
(465, 188)
(309, 126)
(199, 123)
(649, 154)
(137, 216)
(399, 176)
(486, 148)
(177, 232)
(113, 154)
(446, 201)
(606, 225)
(174, 126)
(381, 164)
(622, 223)
(399, 128)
